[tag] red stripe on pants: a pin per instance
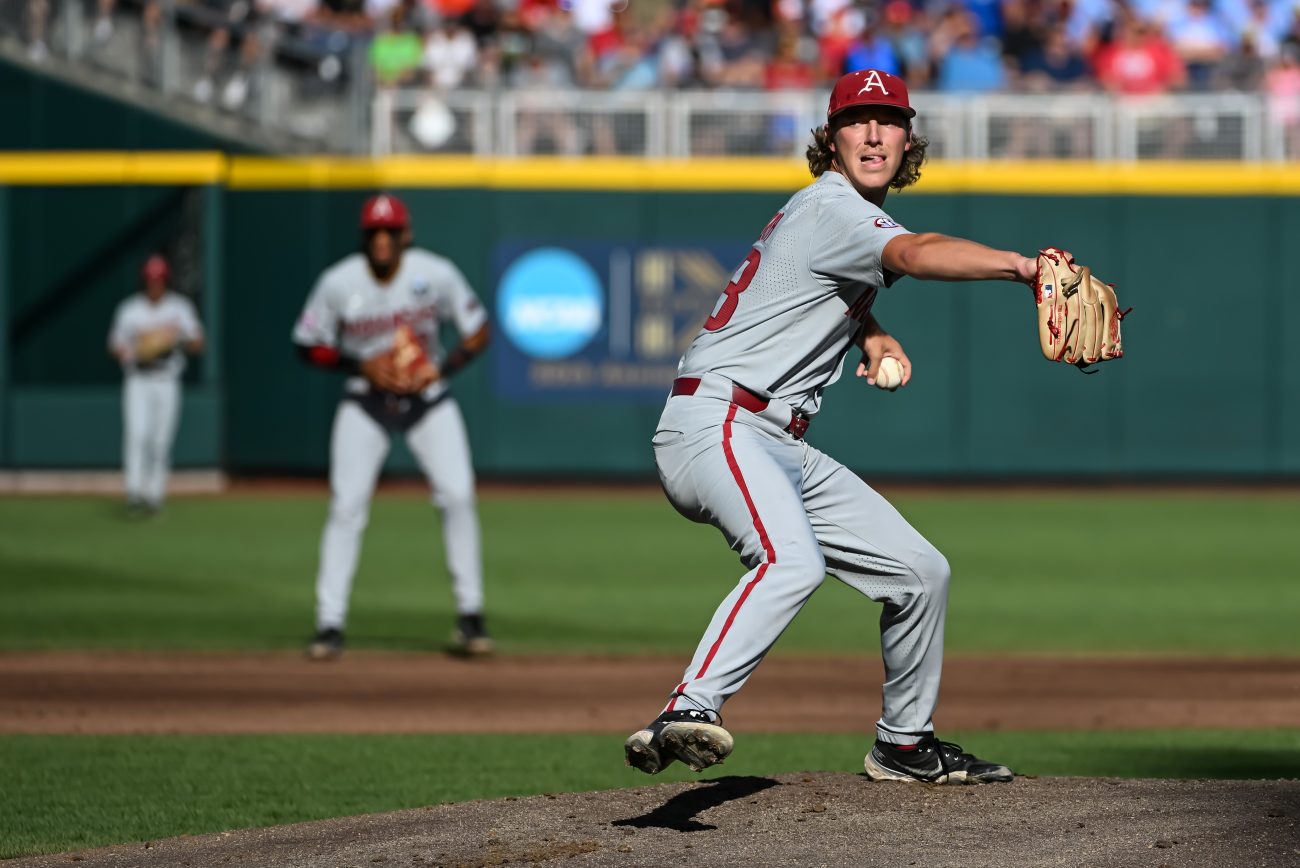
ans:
(768, 551)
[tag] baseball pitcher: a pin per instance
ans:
(152, 332)
(730, 445)
(376, 315)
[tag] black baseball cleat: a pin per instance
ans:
(471, 638)
(689, 736)
(932, 762)
(327, 644)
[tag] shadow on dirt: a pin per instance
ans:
(679, 812)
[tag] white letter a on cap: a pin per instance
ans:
(383, 208)
(873, 80)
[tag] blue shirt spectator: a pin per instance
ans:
(1056, 63)
(972, 66)
(869, 51)
(988, 13)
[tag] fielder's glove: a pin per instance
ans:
(1078, 314)
(410, 358)
(154, 344)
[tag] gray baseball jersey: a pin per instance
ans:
(137, 314)
(352, 311)
(785, 321)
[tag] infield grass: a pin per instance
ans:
(67, 792)
(1183, 573)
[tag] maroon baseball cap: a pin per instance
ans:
(869, 87)
(155, 268)
(385, 211)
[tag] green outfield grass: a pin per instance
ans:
(67, 792)
(1183, 573)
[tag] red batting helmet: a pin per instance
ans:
(156, 268)
(869, 87)
(385, 211)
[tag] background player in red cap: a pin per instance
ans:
(730, 448)
(376, 314)
(152, 331)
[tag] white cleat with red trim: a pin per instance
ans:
(689, 736)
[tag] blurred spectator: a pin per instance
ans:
(1022, 31)
(1243, 70)
(906, 28)
(869, 51)
(236, 37)
(836, 38)
(396, 52)
(1282, 87)
(1264, 27)
(560, 44)
(788, 70)
(972, 64)
(1088, 23)
(450, 55)
(348, 15)
(731, 55)
(102, 31)
(1056, 65)
(483, 20)
(986, 16)
(150, 44)
(1138, 62)
(38, 13)
(1202, 40)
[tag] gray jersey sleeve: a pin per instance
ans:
(851, 236)
(190, 327)
(318, 325)
(460, 303)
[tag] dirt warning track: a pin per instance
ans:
(391, 693)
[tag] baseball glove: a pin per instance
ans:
(1078, 314)
(409, 356)
(154, 344)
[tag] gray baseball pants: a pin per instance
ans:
(793, 514)
(358, 446)
(151, 404)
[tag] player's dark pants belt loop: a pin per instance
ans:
(746, 400)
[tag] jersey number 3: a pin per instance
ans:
(731, 295)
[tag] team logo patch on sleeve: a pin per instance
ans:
(886, 223)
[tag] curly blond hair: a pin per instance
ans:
(820, 157)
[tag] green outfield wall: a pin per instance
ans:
(1192, 248)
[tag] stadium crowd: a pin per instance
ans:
(957, 46)
(954, 46)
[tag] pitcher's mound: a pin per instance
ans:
(795, 819)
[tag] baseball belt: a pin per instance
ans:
(749, 400)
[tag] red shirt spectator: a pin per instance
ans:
(1139, 62)
(786, 71)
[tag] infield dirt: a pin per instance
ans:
(793, 819)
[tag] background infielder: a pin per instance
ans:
(730, 448)
(376, 314)
(151, 333)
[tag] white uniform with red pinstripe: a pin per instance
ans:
(781, 331)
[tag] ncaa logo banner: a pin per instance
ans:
(600, 321)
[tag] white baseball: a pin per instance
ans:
(889, 375)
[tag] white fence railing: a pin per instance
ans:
(681, 124)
